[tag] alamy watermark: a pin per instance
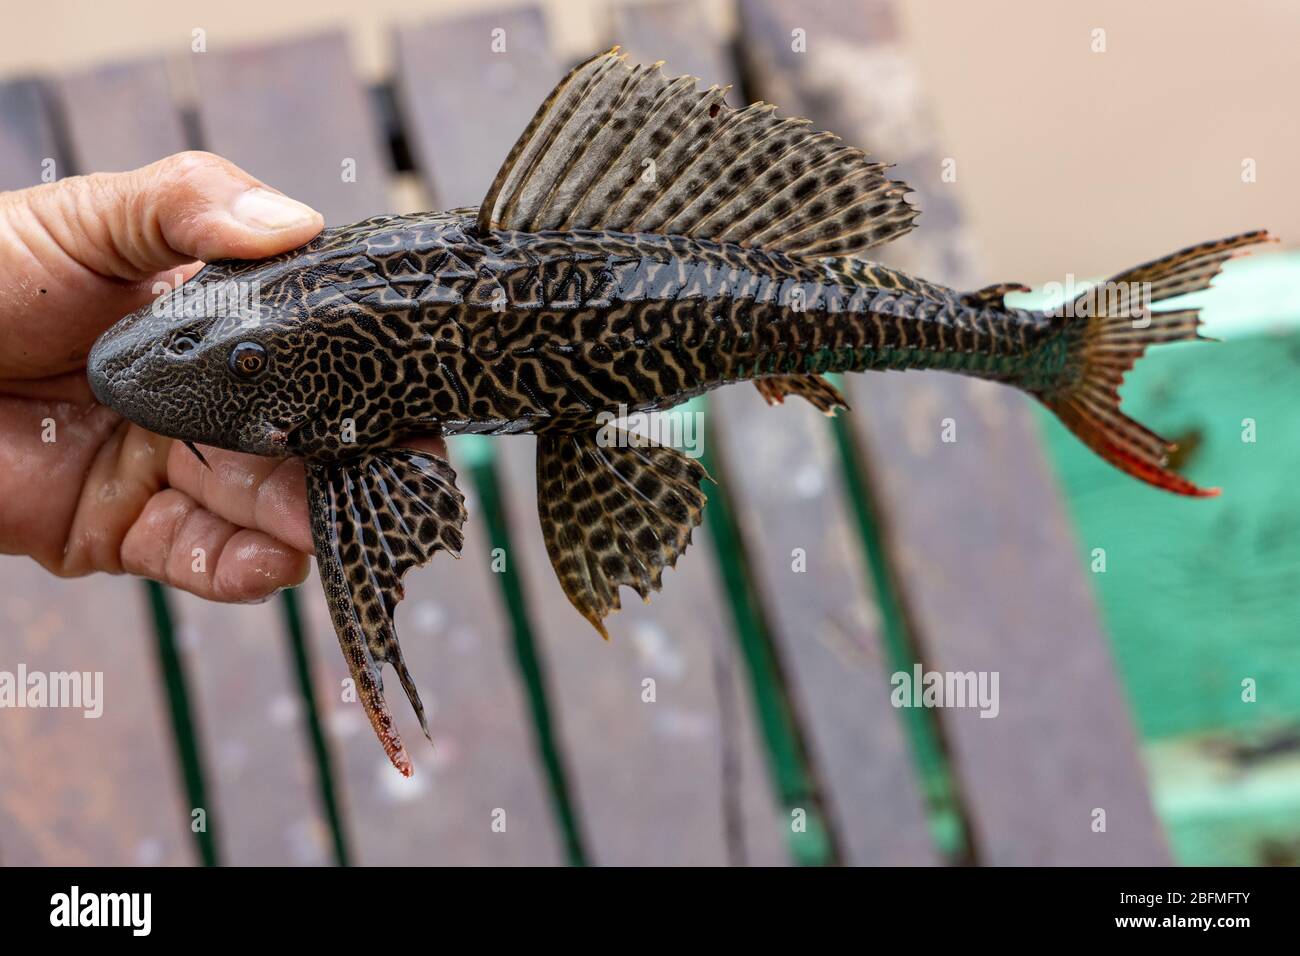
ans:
(210, 300)
(673, 428)
(948, 689)
(82, 690)
(133, 911)
(1115, 300)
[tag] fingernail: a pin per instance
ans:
(263, 209)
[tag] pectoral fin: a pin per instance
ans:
(613, 514)
(824, 396)
(373, 518)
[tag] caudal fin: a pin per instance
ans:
(1113, 326)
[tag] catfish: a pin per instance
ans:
(643, 243)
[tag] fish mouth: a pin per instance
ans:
(283, 437)
(100, 383)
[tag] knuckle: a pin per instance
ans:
(191, 162)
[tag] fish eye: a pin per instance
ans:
(184, 343)
(247, 359)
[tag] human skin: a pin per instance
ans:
(105, 495)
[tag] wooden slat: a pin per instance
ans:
(120, 117)
(454, 632)
(26, 134)
(77, 791)
(263, 785)
(264, 774)
(680, 781)
(783, 478)
(468, 94)
(457, 644)
(293, 114)
(975, 528)
(662, 782)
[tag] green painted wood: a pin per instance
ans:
(976, 533)
(1199, 599)
(454, 631)
(263, 786)
(675, 781)
(1198, 594)
(1231, 798)
(781, 472)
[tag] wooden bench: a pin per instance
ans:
(771, 738)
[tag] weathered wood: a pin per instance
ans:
(454, 634)
(262, 785)
(679, 780)
(482, 761)
(470, 94)
(294, 114)
(27, 139)
(981, 548)
(784, 476)
(782, 472)
(663, 782)
(120, 117)
(78, 791)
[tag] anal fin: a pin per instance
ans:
(992, 296)
(373, 518)
(823, 396)
(614, 513)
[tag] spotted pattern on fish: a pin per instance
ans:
(603, 511)
(643, 243)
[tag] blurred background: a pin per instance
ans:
(1147, 645)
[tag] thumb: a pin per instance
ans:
(78, 254)
(192, 205)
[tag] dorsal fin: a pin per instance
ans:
(623, 147)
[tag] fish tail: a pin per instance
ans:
(1106, 330)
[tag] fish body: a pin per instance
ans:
(583, 288)
(422, 325)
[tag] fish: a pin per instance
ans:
(642, 243)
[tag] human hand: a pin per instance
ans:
(81, 489)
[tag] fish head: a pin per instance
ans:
(213, 360)
(284, 356)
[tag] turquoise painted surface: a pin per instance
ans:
(1200, 596)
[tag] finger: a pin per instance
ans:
(128, 468)
(179, 543)
(189, 206)
(89, 249)
(263, 493)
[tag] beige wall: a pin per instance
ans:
(1067, 160)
